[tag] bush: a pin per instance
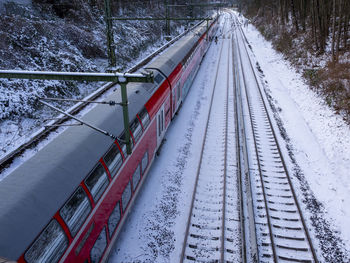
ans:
(312, 76)
(283, 42)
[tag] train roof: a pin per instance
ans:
(36, 189)
(32, 194)
(176, 53)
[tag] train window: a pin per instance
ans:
(160, 123)
(97, 182)
(113, 159)
(124, 150)
(144, 162)
(136, 129)
(162, 120)
(178, 92)
(114, 219)
(49, 246)
(174, 99)
(99, 247)
(159, 126)
(159, 78)
(76, 210)
(136, 178)
(143, 114)
(126, 196)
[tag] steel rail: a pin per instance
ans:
(238, 151)
(200, 162)
(258, 159)
(223, 228)
(246, 172)
(305, 229)
(43, 132)
(160, 18)
(79, 76)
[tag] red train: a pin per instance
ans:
(69, 201)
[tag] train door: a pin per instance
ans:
(160, 125)
(178, 90)
(174, 104)
(176, 97)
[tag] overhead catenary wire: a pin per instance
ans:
(79, 120)
(110, 103)
(44, 131)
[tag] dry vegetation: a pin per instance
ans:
(313, 35)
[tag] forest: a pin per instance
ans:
(64, 8)
(314, 36)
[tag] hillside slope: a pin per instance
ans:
(314, 37)
(64, 36)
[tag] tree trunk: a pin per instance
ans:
(333, 31)
(320, 26)
(303, 14)
(339, 29)
(314, 26)
(346, 23)
(286, 11)
(294, 16)
(346, 28)
(281, 13)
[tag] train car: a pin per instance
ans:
(69, 201)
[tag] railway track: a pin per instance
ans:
(52, 126)
(213, 223)
(280, 229)
(244, 207)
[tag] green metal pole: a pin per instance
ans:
(159, 18)
(207, 30)
(78, 76)
(109, 32)
(126, 116)
(167, 18)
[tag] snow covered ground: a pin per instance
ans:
(316, 140)
(320, 139)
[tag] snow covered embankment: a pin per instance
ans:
(319, 140)
(35, 37)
